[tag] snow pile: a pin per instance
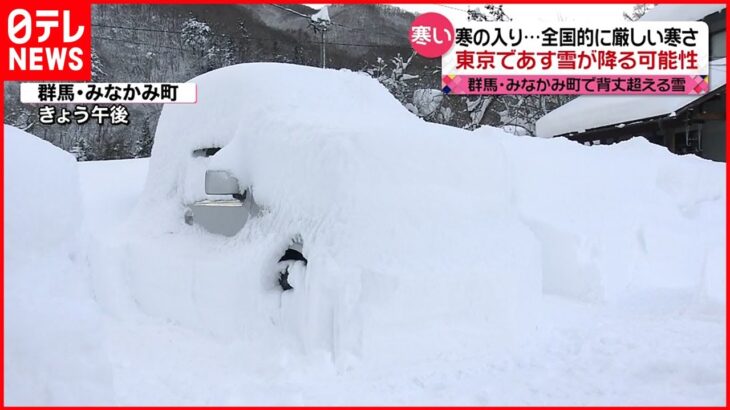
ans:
(53, 346)
(619, 222)
(403, 222)
(41, 191)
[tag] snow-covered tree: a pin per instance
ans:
(492, 12)
(298, 54)
(429, 105)
(245, 38)
(80, 149)
(394, 77)
(143, 147)
(242, 29)
(113, 147)
(277, 55)
(97, 67)
(220, 54)
(480, 106)
(21, 117)
(196, 35)
(214, 51)
(637, 11)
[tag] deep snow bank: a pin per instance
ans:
(405, 224)
(620, 222)
(53, 350)
(42, 200)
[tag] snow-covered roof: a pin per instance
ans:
(588, 112)
(681, 12)
(592, 111)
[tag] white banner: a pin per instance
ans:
(108, 93)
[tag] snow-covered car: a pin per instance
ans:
(329, 161)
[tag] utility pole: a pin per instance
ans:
(323, 46)
(321, 22)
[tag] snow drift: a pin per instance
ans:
(42, 199)
(623, 221)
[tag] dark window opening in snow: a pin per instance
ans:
(205, 152)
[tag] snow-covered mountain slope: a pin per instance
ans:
(445, 266)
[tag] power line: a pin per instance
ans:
(137, 29)
(324, 26)
(135, 42)
(291, 11)
(153, 30)
(453, 8)
(95, 37)
(310, 17)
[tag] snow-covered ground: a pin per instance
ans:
(446, 266)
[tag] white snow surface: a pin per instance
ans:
(53, 344)
(591, 111)
(37, 194)
(445, 266)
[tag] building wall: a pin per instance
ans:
(714, 136)
(716, 24)
(714, 132)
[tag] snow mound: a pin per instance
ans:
(42, 199)
(618, 222)
(404, 223)
(53, 346)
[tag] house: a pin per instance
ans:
(682, 123)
